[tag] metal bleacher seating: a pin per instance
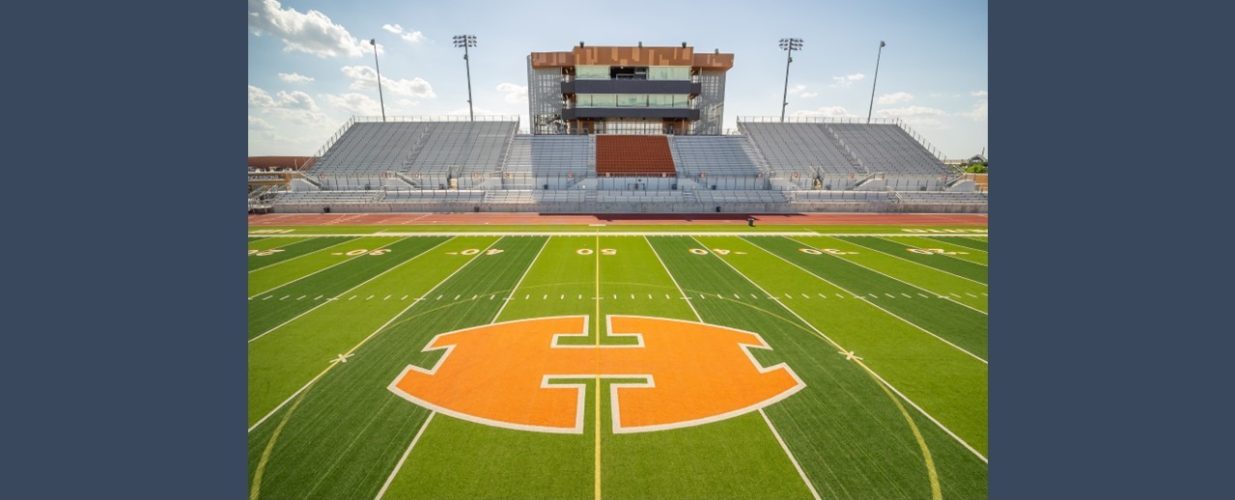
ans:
(714, 155)
(887, 149)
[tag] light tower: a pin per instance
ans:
(875, 82)
(373, 42)
(466, 41)
(790, 45)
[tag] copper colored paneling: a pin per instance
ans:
(552, 59)
(634, 56)
(713, 61)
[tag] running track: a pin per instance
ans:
(524, 218)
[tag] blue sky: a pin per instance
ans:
(311, 67)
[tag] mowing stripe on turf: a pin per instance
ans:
(925, 277)
(351, 430)
(283, 279)
(843, 430)
(281, 363)
(981, 246)
(958, 324)
(806, 480)
(894, 255)
(863, 365)
(895, 247)
(399, 465)
(310, 288)
(293, 252)
(958, 252)
(937, 293)
(267, 315)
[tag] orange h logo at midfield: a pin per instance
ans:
(522, 375)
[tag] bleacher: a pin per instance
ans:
(940, 197)
(371, 148)
(714, 155)
(806, 149)
(633, 155)
(462, 148)
(888, 149)
(484, 166)
(551, 155)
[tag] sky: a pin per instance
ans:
(311, 66)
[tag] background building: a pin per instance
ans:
(632, 90)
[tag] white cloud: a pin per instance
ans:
(895, 98)
(799, 90)
(356, 104)
(826, 111)
(310, 32)
(295, 106)
(916, 115)
(978, 93)
(514, 94)
(413, 37)
(256, 123)
(295, 78)
(978, 114)
(365, 78)
(847, 80)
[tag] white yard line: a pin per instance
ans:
(327, 247)
(498, 314)
(876, 306)
(327, 301)
(788, 453)
(366, 339)
(920, 264)
(916, 287)
(863, 365)
(783, 446)
(408, 451)
(344, 261)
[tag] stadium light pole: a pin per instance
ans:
(790, 45)
(373, 42)
(466, 41)
(875, 82)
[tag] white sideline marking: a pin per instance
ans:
(863, 365)
(366, 339)
(408, 451)
(788, 453)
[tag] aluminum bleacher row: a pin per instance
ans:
(453, 165)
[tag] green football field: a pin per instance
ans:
(883, 327)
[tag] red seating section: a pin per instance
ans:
(642, 155)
